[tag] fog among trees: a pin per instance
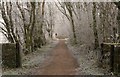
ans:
(33, 25)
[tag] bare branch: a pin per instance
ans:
(2, 23)
(63, 12)
(5, 34)
(3, 29)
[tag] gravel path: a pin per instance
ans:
(61, 62)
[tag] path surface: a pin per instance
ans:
(61, 62)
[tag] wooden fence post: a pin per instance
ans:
(18, 56)
(102, 52)
(112, 58)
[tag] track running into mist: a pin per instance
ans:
(61, 63)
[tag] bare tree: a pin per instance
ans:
(95, 26)
(28, 27)
(118, 17)
(9, 30)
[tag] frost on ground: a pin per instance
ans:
(87, 60)
(31, 61)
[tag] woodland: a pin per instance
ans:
(85, 25)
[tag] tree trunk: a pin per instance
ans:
(32, 25)
(69, 8)
(73, 29)
(95, 27)
(118, 18)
